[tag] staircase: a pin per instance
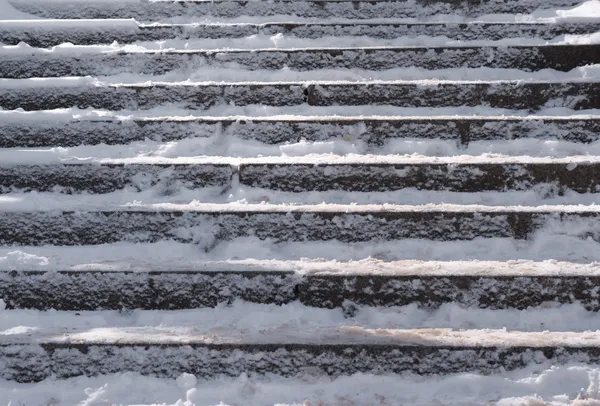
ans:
(354, 156)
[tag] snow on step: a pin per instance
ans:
(48, 33)
(41, 94)
(158, 10)
(106, 177)
(69, 129)
(168, 352)
(527, 58)
(208, 225)
(195, 284)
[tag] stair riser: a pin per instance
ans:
(455, 178)
(195, 97)
(208, 229)
(157, 11)
(563, 58)
(109, 178)
(374, 132)
(498, 95)
(494, 292)
(578, 95)
(104, 178)
(47, 36)
(170, 290)
(142, 290)
(30, 363)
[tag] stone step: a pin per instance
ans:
(156, 11)
(51, 130)
(209, 224)
(83, 93)
(347, 285)
(168, 352)
(527, 58)
(455, 175)
(85, 32)
(367, 174)
(107, 177)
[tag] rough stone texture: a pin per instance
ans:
(457, 31)
(105, 178)
(493, 292)
(47, 35)
(29, 133)
(513, 95)
(460, 177)
(31, 362)
(97, 290)
(134, 97)
(509, 95)
(558, 57)
(155, 11)
(209, 228)
(169, 290)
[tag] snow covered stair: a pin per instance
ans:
(48, 129)
(82, 93)
(169, 352)
(42, 64)
(143, 10)
(475, 284)
(49, 33)
(271, 155)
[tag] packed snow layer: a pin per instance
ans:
(8, 12)
(251, 318)
(240, 195)
(10, 157)
(303, 112)
(536, 385)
